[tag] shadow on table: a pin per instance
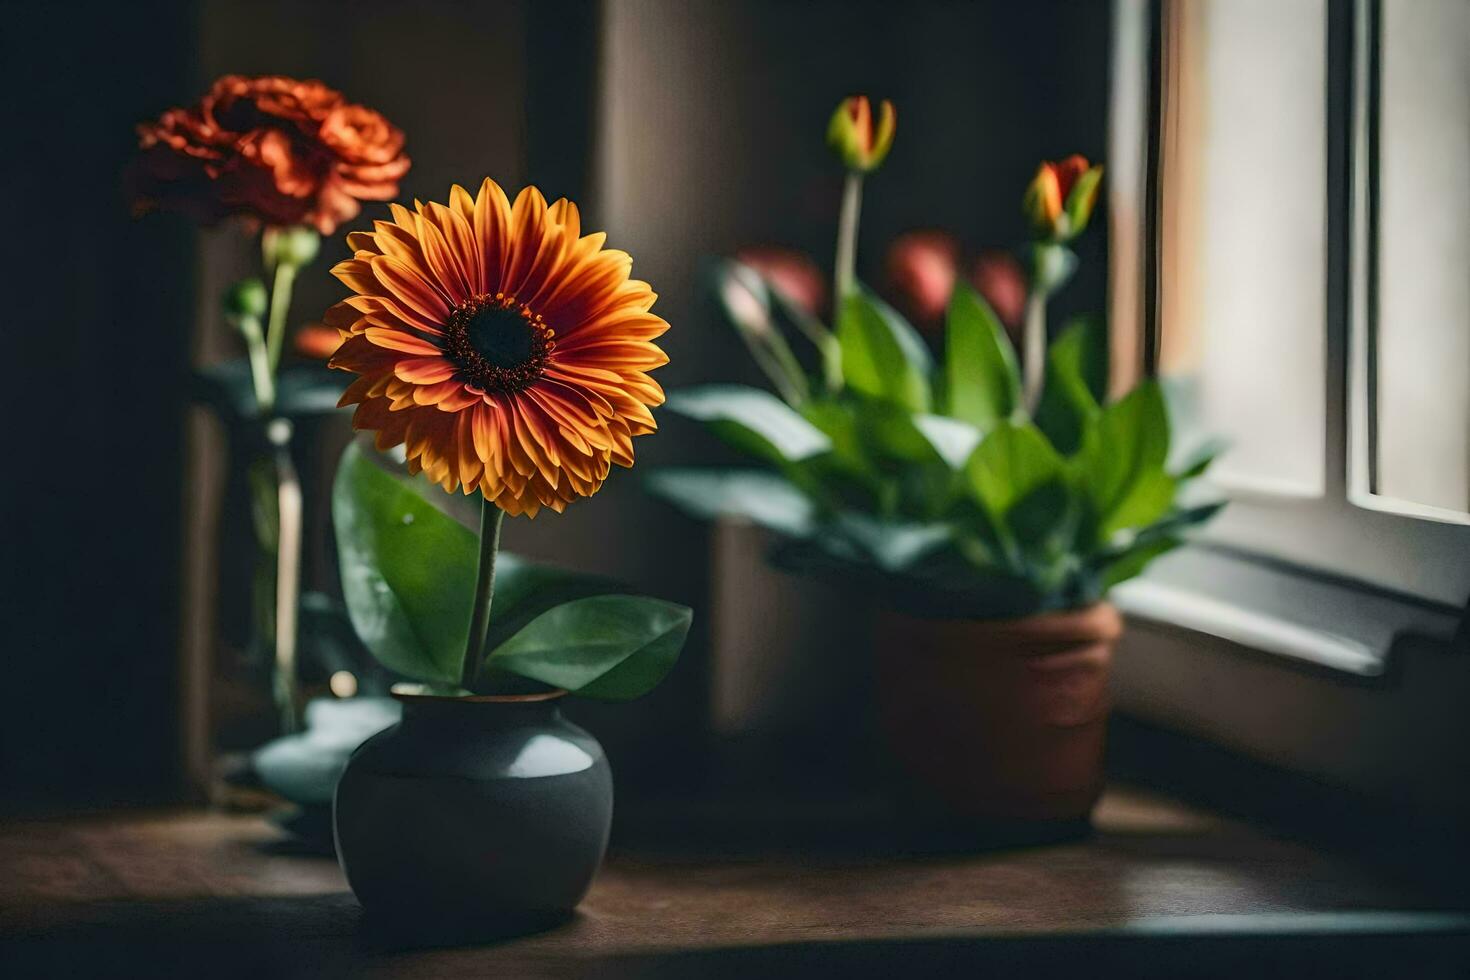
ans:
(328, 936)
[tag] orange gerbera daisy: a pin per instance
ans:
(505, 350)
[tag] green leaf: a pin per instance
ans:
(1042, 518)
(408, 575)
(525, 589)
(1195, 462)
(611, 647)
(1149, 499)
(982, 382)
(882, 356)
(1079, 203)
(954, 441)
(1076, 383)
(837, 420)
(408, 571)
(892, 545)
(760, 497)
(890, 433)
(752, 421)
(1134, 560)
(1013, 460)
(1122, 461)
(1174, 523)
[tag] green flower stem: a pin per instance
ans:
(491, 517)
(847, 229)
(275, 336)
(290, 509)
(262, 378)
(1033, 349)
(774, 357)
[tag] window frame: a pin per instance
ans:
(1346, 532)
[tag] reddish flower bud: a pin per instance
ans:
(317, 340)
(922, 267)
(999, 278)
(852, 134)
(792, 274)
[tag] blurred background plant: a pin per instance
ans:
(976, 482)
(285, 161)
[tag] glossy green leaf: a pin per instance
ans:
(1040, 520)
(611, 647)
(882, 356)
(408, 574)
(1076, 383)
(838, 421)
(1133, 561)
(890, 434)
(752, 421)
(982, 383)
(1122, 461)
(1012, 461)
(408, 571)
(892, 545)
(1080, 203)
(953, 440)
(755, 495)
(1196, 461)
(1177, 521)
(525, 589)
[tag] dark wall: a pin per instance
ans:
(95, 324)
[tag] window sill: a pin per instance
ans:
(1346, 684)
(1330, 623)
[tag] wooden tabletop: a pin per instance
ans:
(1158, 888)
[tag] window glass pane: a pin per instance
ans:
(1243, 233)
(1423, 327)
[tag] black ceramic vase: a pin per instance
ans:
(486, 811)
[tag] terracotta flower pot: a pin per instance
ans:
(1002, 720)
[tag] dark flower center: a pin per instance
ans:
(499, 336)
(498, 344)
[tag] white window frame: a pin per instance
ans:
(1281, 571)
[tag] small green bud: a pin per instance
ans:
(1051, 266)
(294, 246)
(246, 298)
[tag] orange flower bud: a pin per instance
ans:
(853, 137)
(1060, 198)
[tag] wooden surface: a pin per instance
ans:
(1156, 889)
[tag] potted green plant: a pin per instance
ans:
(988, 498)
(507, 353)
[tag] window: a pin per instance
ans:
(1300, 229)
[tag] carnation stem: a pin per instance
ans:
(1033, 352)
(275, 336)
(847, 229)
(491, 518)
